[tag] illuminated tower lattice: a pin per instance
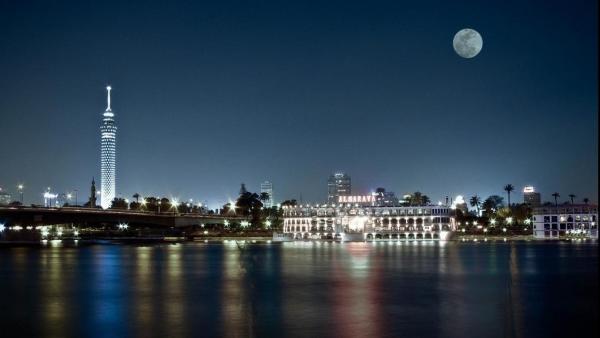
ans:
(108, 154)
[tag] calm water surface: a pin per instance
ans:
(301, 289)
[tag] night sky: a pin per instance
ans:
(209, 95)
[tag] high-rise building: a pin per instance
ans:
(5, 197)
(531, 197)
(108, 154)
(267, 188)
(385, 198)
(338, 184)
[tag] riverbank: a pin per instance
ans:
(70, 242)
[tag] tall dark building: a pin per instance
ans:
(385, 198)
(531, 197)
(339, 184)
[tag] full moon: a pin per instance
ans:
(467, 43)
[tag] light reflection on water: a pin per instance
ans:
(299, 289)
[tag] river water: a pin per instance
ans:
(308, 289)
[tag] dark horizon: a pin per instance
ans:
(208, 96)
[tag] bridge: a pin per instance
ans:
(25, 216)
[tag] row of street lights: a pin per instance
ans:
(47, 194)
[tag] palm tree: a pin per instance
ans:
(263, 197)
(416, 198)
(137, 197)
(586, 200)
(509, 188)
(556, 196)
(476, 202)
(571, 196)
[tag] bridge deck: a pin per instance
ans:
(33, 215)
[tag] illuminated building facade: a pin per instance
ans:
(338, 184)
(364, 221)
(108, 154)
(567, 220)
(531, 197)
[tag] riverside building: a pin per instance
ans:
(361, 220)
(567, 220)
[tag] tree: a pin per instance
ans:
(521, 212)
(264, 196)
(289, 203)
(164, 205)
(137, 197)
(151, 203)
(118, 203)
(572, 197)
(509, 188)
(556, 196)
(247, 203)
(227, 208)
(183, 208)
(418, 199)
(492, 204)
(475, 201)
(586, 200)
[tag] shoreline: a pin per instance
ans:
(70, 242)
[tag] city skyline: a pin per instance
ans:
(203, 114)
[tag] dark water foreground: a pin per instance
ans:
(528, 289)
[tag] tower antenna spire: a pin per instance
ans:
(108, 88)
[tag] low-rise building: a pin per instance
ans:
(567, 220)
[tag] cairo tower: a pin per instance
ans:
(108, 154)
